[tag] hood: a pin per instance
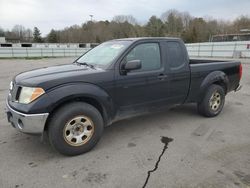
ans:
(56, 75)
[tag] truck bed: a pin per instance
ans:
(200, 69)
(198, 61)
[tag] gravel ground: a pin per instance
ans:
(132, 153)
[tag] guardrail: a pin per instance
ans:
(239, 49)
(14, 52)
(210, 49)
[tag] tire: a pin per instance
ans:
(75, 128)
(212, 102)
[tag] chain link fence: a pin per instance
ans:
(239, 49)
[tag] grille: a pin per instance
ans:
(15, 92)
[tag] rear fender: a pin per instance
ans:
(216, 77)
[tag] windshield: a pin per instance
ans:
(104, 54)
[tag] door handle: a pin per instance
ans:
(162, 76)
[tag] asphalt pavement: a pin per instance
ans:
(176, 148)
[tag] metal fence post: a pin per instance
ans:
(199, 49)
(12, 51)
(27, 55)
(235, 45)
(212, 51)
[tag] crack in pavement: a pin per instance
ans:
(166, 141)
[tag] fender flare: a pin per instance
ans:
(212, 78)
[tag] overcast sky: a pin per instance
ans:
(57, 14)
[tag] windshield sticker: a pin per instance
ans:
(117, 46)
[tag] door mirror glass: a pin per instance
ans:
(132, 65)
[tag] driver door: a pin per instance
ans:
(139, 90)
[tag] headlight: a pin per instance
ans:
(29, 94)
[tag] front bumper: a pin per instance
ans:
(26, 123)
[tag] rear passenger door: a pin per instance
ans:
(178, 71)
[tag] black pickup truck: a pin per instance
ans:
(117, 79)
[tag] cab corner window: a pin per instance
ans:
(175, 55)
(148, 54)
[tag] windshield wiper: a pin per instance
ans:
(86, 64)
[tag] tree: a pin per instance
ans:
(125, 18)
(2, 34)
(154, 27)
(173, 21)
(122, 29)
(186, 19)
(18, 32)
(52, 36)
(37, 35)
(242, 22)
(28, 36)
(198, 31)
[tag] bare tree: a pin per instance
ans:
(18, 31)
(171, 23)
(240, 23)
(125, 18)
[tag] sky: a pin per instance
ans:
(58, 14)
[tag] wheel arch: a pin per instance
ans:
(216, 77)
(87, 93)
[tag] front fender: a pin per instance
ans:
(63, 93)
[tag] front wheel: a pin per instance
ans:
(212, 102)
(75, 128)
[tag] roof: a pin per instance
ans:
(148, 38)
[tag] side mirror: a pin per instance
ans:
(132, 65)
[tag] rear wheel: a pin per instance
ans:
(75, 128)
(212, 102)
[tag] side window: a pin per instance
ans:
(148, 53)
(175, 55)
